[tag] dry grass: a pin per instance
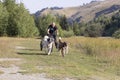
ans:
(7, 47)
(8, 51)
(103, 48)
(87, 57)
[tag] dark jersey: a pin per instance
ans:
(52, 29)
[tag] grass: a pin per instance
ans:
(87, 58)
(7, 47)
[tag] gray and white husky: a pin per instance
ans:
(46, 44)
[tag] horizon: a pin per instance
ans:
(34, 6)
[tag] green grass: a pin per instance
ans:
(87, 58)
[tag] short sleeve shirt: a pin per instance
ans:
(52, 29)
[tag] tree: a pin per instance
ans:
(20, 22)
(94, 30)
(117, 34)
(25, 22)
(43, 22)
(63, 23)
(76, 28)
(3, 20)
(11, 6)
(113, 26)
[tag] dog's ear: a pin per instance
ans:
(65, 44)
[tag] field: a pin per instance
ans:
(88, 58)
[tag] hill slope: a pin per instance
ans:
(86, 12)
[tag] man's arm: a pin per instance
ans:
(57, 32)
(48, 31)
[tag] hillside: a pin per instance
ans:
(85, 12)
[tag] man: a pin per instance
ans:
(53, 32)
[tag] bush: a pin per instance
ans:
(67, 33)
(94, 30)
(117, 34)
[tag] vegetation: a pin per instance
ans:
(63, 23)
(16, 20)
(3, 20)
(43, 22)
(101, 26)
(88, 58)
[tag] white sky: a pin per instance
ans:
(35, 5)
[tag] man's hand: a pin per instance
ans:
(57, 33)
(48, 32)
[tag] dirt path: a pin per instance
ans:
(12, 73)
(10, 59)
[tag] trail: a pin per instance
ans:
(12, 73)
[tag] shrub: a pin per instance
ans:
(67, 33)
(117, 34)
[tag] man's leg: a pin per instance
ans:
(55, 40)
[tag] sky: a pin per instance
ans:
(35, 5)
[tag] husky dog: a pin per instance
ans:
(62, 47)
(47, 44)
